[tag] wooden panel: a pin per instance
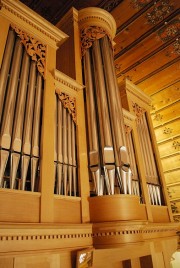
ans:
(172, 177)
(131, 10)
(38, 261)
(152, 63)
(166, 115)
(172, 162)
(168, 148)
(7, 262)
(104, 208)
(19, 206)
(154, 84)
(167, 131)
(160, 214)
(175, 192)
(67, 209)
(166, 97)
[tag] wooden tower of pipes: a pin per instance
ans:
(81, 183)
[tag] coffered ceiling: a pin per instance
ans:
(147, 52)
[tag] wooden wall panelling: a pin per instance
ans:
(146, 22)
(167, 131)
(169, 148)
(152, 63)
(166, 115)
(172, 176)
(152, 84)
(165, 97)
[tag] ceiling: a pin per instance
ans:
(147, 52)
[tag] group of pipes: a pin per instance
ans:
(108, 156)
(149, 160)
(20, 115)
(65, 152)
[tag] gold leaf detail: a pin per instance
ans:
(35, 49)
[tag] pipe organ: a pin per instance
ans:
(66, 182)
(108, 156)
(64, 119)
(21, 91)
(152, 179)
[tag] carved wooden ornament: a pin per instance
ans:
(89, 35)
(139, 111)
(35, 49)
(68, 103)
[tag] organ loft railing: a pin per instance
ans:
(21, 93)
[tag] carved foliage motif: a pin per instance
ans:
(170, 30)
(35, 49)
(139, 111)
(159, 11)
(89, 35)
(174, 49)
(68, 103)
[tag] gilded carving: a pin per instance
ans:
(159, 11)
(35, 49)
(158, 117)
(174, 49)
(176, 145)
(167, 130)
(89, 35)
(68, 103)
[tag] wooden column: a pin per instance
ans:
(47, 142)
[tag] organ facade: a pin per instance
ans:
(81, 183)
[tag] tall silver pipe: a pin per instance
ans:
(69, 119)
(74, 158)
(94, 159)
(27, 135)
(64, 149)
(7, 121)
(6, 67)
(37, 117)
(20, 107)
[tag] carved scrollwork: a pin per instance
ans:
(68, 103)
(35, 49)
(139, 111)
(89, 35)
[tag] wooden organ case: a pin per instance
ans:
(77, 171)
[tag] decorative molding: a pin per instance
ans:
(97, 17)
(138, 4)
(110, 5)
(17, 11)
(89, 35)
(170, 30)
(34, 48)
(159, 11)
(68, 103)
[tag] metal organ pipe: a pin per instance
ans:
(104, 120)
(20, 121)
